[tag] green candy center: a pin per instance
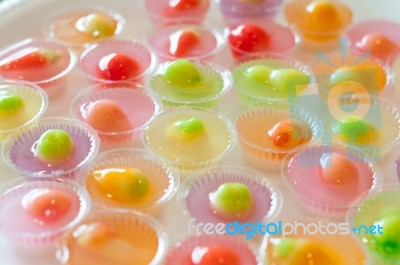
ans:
(10, 104)
(183, 73)
(54, 145)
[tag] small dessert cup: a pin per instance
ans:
(267, 135)
(353, 72)
(118, 60)
(21, 105)
(190, 41)
(252, 38)
(212, 248)
(367, 124)
(204, 89)
(237, 11)
(166, 12)
(202, 191)
(152, 182)
(189, 139)
(313, 241)
(327, 179)
(319, 23)
(271, 80)
(54, 148)
(376, 218)
(36, 213)
(81, 25)
(114, 237)
(377, 38)
(118, 113)
(44, 63)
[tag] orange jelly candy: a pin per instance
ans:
(214, 255)
(106, 115)
(378, 45)
(337, 169)
(287, 134)
(182, 41)
(47, 205)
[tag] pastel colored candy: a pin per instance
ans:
(337, 169)
(232, 200)
(214, 255)
(355, 130)
(378, 46)
(183, 41)
(259, 74)
(323, 15)
(97, 25)
(186, 130)
(287, 134)
(387, 244)
(54, 145)
(289, 81)
(46, 205)
(10, 104)
(123, 184)
(248, 38)
(183, 73)
(117, 66)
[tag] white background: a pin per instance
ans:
(27, 19)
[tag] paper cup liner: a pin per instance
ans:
(18, 150)
(35, 105)
(302, 174)
(163, 181)
(252, 95)
(217, 81)
(194, 194)
(255, 148)
(182, 251)
(144, 235)
(90, 58)
(26, 234)
(139, 106)
(219, 140)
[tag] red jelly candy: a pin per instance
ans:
(248, 38)
(214, 255)
(117, 67)
(181, 42)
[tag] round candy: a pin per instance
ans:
(107, 116)
(187, 130)
(338, 170)
(248, 38)
(378, 45)
(184, 4)
(355, 130)
(259, 74)
(54, 145)
(10, 104)
(123, 184)
(232, 200)
(46, 205)
(324, 16)
(387, 243)
(182, 73)
(97, 25)
(214, 255)
(287, 134)
(183, 41)
(116, 67)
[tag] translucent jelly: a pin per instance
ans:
(232, 201)
(190, 132)
(354, 130)
(214, 255)
(117, 67)
(288, 134)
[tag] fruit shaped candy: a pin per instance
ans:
(29, 58)
(288, 134)
(97, 25)
(355, 130)
(378, 46)
(46, 205)
(186, 130)
(127, 185)
(248, 38)
(10, 104)
(183, 73)
(214, 255)
(117, 66)
(285, 79)
(183, 41)
(303, 252)
(323, 16)
(337, 169)
(371, 76)
(184, 4)
(232, 201)
(259, 74)
(387, 243)
(54, 146)
(105, 242)
(107, 116)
